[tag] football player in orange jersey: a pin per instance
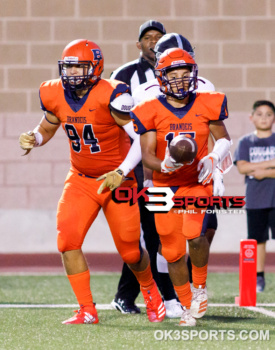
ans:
(158, 121)
(94, 114)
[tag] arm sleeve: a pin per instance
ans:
(134, 155)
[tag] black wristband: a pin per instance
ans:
(120, 172)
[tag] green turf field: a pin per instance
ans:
(40, 327)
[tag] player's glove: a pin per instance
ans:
(169, 164)
(113, 179)
(218, 186)
(27, 141)
(206, 166)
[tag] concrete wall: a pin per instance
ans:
(235, 49)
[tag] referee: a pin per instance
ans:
(141, 70)
(133, 74)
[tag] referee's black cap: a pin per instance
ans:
(151, 24)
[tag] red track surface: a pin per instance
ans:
(107, 262)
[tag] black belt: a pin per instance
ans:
(92, 177)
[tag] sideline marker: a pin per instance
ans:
(247, 273)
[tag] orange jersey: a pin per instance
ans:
(159, 116)
(97, 143)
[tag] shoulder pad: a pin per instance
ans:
(123, 103)
(146, 91)
(205, 85)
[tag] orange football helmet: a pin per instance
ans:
(171, 59)
(83, 54)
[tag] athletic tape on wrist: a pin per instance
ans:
(38, 139)
(221, 148)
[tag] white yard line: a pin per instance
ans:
(258, 308)
(262, 311)
(43, 306)
(230, 305)
(227, 305)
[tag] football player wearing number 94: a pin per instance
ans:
(158, 121)
(94, 114)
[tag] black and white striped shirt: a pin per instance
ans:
(134, 73)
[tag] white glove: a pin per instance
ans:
(169, 164)
(218, 186)
(206, 166)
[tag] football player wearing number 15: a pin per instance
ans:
(158, 121)
(94, 114)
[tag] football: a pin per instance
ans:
(183, 149)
